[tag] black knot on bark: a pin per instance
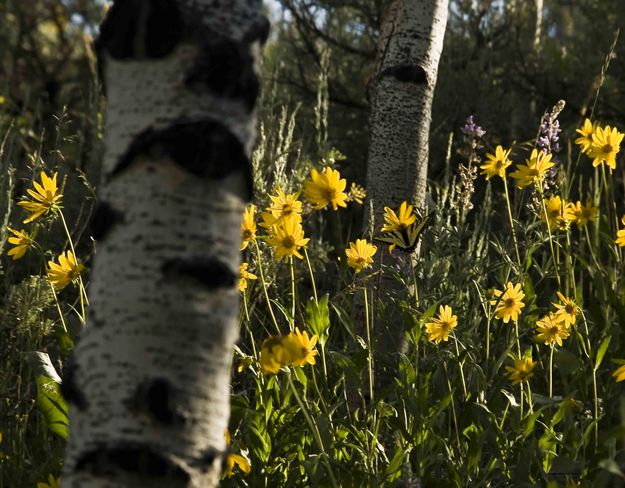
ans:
(211, 272)
(407, 73)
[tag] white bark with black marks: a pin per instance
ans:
(401, 92)
(149, 381)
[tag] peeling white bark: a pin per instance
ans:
(149, 385)
(401, 92)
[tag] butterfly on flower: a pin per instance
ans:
(405, 237)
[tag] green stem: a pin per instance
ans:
(81, 288)
(553, 254)
(312, 277)
(291, 265)
(247, 324)
(369, 346)
(464, 385)
(508, 206)
(453, 407)
(314, 430)
(264, 285)
(551, 372)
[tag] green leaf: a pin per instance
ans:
(53, 405)
(318, 317)
(601, 351)
(41, 364)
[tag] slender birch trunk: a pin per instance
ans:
(149, 383)
(401, 92)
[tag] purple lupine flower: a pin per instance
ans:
(471, 129)
(548, 140)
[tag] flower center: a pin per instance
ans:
(287, 209)
(247, 234)
(509, 302)
(569, 309)
(288, 242)
(330, 194)
(554, 330)
(607, 148)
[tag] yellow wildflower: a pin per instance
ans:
(439, 329)
(521, 371)
(550, 330)
(272, 355)
(22, 241)
(244, 275)
(285, 206)
(395, 222)
(299, 348)
(248, 226)
(52, 483)
(620, 235)
(534, 171)
(585, 139)
(619, 374)
(287, 239)
(606, 143)
(559, 213)
(46, 198)
(325, 188)
(510, 304)
(65, 272)
(497, 163)
(582, 214)
(360, 254)
(235, 460)
(567, 310)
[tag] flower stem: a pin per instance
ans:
(553, 254)
(314, 430)
(464, 385)
(551, 372)
(516, 244)
(369, 346)
(312, 276)
(81, 287)
(264, 283)
(292, 266)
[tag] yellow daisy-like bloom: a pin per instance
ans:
(235, 460)
(619, 374)
(326, 188)
(585, 139)
(509, 302)
(52, 483)
(620, 235)
(395, 222)
(439, 329)
(497, 163)
(22, 241)
(559, 213)
(360, 254)
(287, 239)
(244, 275)
(65, 272)
(272, 355)
(606, 143)
(285, 206)
(248, 226)
(299, 348)
(521, 371)
(550, 330)
(46, 198)
(356, 194)
(534, 171)
(566, 311)
(582, 214)
(268, 220)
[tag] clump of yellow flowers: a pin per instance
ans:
(295, 349)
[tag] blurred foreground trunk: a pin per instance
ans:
(149, 383)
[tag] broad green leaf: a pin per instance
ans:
(318, 317)
(53, 405)
(41, 364)
(601, 351)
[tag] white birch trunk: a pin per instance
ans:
(401, 92)
(149, 383)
